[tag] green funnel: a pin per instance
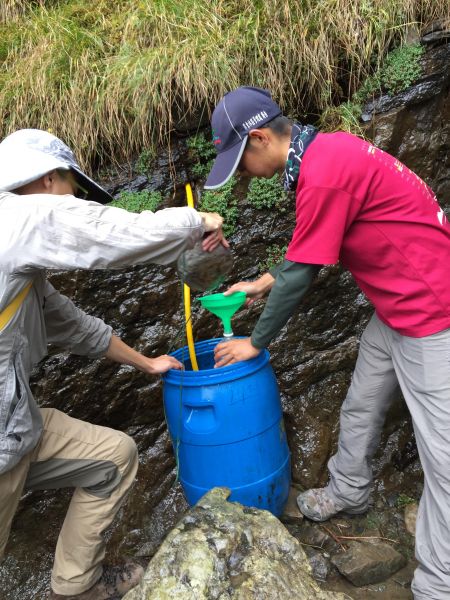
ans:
(224, 307)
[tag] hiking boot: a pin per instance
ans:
(317, 505)
(114, 583)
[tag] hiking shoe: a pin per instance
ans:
(317, 505)
(114, 583)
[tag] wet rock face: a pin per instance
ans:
(222, 550)
(313, 357)
(414, 126)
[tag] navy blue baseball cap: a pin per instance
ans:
(238, 112)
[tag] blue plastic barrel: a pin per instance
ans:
(227, 429)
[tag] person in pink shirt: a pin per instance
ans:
(359, 206)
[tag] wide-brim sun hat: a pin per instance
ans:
(28, 154)
(237, 113)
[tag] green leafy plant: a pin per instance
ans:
(403, 500)
(224, 202)
(402, 68)
(203, 152)
(266, 193)
(138, 201)
(144, 161)
(201, 170)
(274, 255)
(203, 148)
(399, 70)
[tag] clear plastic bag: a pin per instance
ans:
(202, 270)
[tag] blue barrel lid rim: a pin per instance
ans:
(223, 374)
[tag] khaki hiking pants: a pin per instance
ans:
(101, 464)
(422, 368)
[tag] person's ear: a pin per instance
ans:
(48, 181)
(259, 137)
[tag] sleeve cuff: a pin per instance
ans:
(256, 343)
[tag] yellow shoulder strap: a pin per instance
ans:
(13, 307)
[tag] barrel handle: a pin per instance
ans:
(194, 404)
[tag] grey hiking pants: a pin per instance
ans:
(422, 368)
(101, 464)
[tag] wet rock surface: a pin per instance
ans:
(222, 550)
(415, 125)
(313, 359)
(365, 563)
(329, 547)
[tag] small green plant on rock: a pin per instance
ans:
(400, 69)
(144, 161)
(138, 201)
(266, 193)
(203, 153)
(274, 255)
(224, 202)
(403, 500)
(372, 521)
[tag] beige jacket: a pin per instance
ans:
(39, 232)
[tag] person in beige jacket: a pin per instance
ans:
(45, 225)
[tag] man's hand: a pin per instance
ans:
(213, 239)
(124, 354)
(255, 290)
(158, 365)
(227, 353)
(212, 222)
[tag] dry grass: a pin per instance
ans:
(12, 10)
(114, 77)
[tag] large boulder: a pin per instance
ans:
(222, 550)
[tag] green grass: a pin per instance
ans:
(138, 201)
(345, 117)
(115, 78)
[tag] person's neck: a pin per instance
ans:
(284, 149)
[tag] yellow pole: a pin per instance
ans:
(187, 299)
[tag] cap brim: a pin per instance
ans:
(95, 191)
(225, 165)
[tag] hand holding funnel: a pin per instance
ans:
(224, 307)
